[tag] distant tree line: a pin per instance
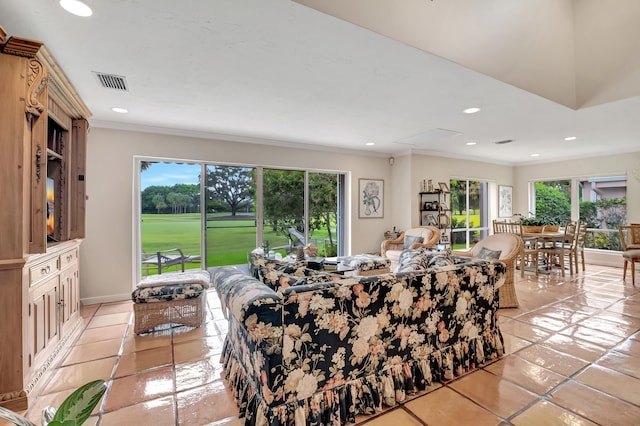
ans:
(179, 198)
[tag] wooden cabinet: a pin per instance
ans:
(43, 136)
(435, 210)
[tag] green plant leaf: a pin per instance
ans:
(76, 409)
(17, 419)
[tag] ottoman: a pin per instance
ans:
(178, 298)
(365, 264)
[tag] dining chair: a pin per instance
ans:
(580, 239)
(560, 248)
(529, 250)
(630, 241)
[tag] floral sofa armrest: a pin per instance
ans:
(244, 296)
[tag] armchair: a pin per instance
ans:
(422, 236)
(510, 247)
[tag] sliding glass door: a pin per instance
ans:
(231, 210)
(230, 214)
(170, 218)
(469, 212)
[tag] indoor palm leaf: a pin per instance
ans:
(73, 411)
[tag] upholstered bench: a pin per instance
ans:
(176, 297)
(365, 264)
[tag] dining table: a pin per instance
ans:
(546, 240)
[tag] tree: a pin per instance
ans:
(233, 185)
(552, 203)
(158, 202)
(323, 193)
(284, 199)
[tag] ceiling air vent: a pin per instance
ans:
(112, 81)
(504, 142)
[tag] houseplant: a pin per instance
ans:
(73, 411)
(539, 224)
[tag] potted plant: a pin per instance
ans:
(532, 224)
(74, 410)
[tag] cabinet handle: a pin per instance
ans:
(69, 257)
(45, 270)
(61, 302)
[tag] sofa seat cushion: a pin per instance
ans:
(365, 262)
(165, 293)
(278, 279)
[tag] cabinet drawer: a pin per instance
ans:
(42, 270)
(69, 257)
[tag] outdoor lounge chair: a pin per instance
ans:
(164, 259)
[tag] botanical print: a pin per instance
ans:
(371, 198)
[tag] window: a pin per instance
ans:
(469, 212)
(242, 208)
(603, 207)
(600, 202)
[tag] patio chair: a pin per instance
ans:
(164, 259)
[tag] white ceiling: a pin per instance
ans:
(279, 72)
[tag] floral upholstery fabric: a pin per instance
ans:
(277, 279)
(322, 353)
(165, 293)
(365, 262)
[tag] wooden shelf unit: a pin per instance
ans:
(435, 210)
(43, 135)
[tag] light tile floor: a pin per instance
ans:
(573, 358)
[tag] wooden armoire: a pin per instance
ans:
(43, 136)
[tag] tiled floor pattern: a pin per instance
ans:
(573, 359)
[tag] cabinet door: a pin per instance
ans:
(76, 179)
(43, 318)
(69, 298)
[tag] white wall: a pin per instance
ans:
(108, 253)
(440, 169)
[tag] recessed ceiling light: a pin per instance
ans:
(471, 143)
(76, 7)
(120, 110)
(535, 155)
(570, 138)
(472, 110)
(370, 143)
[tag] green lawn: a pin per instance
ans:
(228, 240)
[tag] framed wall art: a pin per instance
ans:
(505, 201)
(371, 198)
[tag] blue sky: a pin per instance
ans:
(169, 174)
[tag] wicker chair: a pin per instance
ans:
(510, 246)
(391, 249)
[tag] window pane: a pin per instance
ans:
(170, 216)
(603, 207)
(231, 219)
(553, 201)
(283, 201)
(323, 212)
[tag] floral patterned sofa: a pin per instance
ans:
(316, 348)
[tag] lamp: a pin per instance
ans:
(76, 7)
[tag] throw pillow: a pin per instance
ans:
(410, 240)
(413, 260)
(486, 253)
(275, 279)
(439, 260)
